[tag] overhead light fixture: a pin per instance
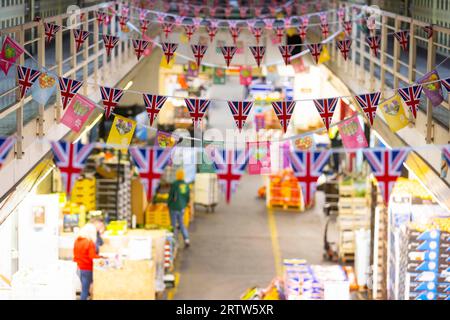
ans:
(128, 86)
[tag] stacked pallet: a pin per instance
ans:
(283, 192)
(83, 193)
(157, 214)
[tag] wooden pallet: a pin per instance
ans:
(346, 257)
(284, 207)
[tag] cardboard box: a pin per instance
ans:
(138, 201)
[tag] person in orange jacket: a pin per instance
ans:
(84, 252)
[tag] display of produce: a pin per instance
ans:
(283, 191)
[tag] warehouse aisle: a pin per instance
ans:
(242, 245)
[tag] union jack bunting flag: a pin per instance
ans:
(110, 43)
(197, 109)
(160, 17)
(279, 32)
(6, 145)
(305, 21)
(257, 32)
(308, 167)
(80, 37)
(341, 14)
(198, 51)
(344, 47)
(411, 96)
(68, 89)
(325, 30)
(169, 49)
(228, 53)
(111, 98)
(386, 166)
(446, 84)
(26, 77)
(234, 31)
(302, 31)
(284, 110)
(374, 44)
(153, 104)
(323, 18)
(258, 52)
(230, 165)
(189, 29)
(369, 104)
(212, 30)
(167, 28)
(139, 47)
(100, 16)
(286, 53)
(144, 25)
(403, 38)
(50, 30)
(123, 22)
(428, 31)
(315, 49)
(326, 108)
(70, 158)
(179, 20)
(150, 163)
(348, 27)
(142, 14)
(240, 111)
(268, 23)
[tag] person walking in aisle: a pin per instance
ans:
(177, 203)
(84, 252)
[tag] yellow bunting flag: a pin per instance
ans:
(164, 64)
(324, 55)
(121, 132)
(394, 113)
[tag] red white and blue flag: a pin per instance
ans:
(123, 22)
(284, 110)
(268, 23)
(411, 96)
(230, 165)
(374, 44)
(150, 163)
(403, 38)
(258, 52)
(50, 30)
(139, 47)
(100, 16)
(344, 46)
(110, 98)
(386, 166)
(167, 28)
(369, 104)
(228, 53)
(144, 25)
(190, 29)
(6, 144)
(240, 111)
(315, 49)
(348, 28)
(257, 32)
(80, 37)
(68, 89)
(308, 167)
(428, 30)
(26, 77)
(446, 84)
(169, 49)
(153, 104)
(197, 109)
(305, 21)
(341, 14)
(70, 158)
(279, 32)
(323, 18)
(326, 108)
(235, 31)
(212, 30)
(302, 31)
(110, 43)
(286, 53)
(198, 51)
(325, 30)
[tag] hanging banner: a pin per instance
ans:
(284, 110)
(80, 37)
(394, 113)
(228, 53)
(169, 49)
(411, 96)
(139, 47)
(189, 30)
(230, 165)
(302, 32)
(257, 33)
(50, 30)
(68, 89)
(6, 144)
(240, 111)
(153, 104)
(326, 108)
(386, 166)
(167, 28)
(245, 75)
(348, 27)
(315, 49)
(352, 134)
(234, 31)
(110, 98)
(432, 90)
(369, 104)
(26, 78)
(259, 158)
(212, 30)
(110, 43)
(374, 44)
(403, 39)
(197, 109)
(121, 132)
(70, 158)
(344, 47)
(43, 88)
(198, 51)
(11, 51)
(286, 53)
(325, 30)
(308, 167)
(150, 163)
(78, 112)
(258, 53)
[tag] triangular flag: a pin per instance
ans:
(344, 46)
(169, 49)
(411, 96)
(394, 113)
(403, 38)
(234, 31)
(284, 110)
(26, 78)
(315, 49)
(190, 30)
(286, 53)
(302, 31)
(240, 111)
(258, 52)
(167, 28)
(348, 28)
(144, 25)
(50, 30)
(228, 53)
(68, 89)
(374, 44)
(428, 30)
(197, 109)
(212, 30)
(153, 104)
(139, 47)
(279, 32)
(325, 30)
(369, 104)
(198, 51)
(110, 98)
(326, 108)
(257, 33)
(110, 43)
(80, 37)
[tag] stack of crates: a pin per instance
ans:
(158, 215)
(83, 193)
(284, 192)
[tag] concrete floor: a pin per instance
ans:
(241, 245)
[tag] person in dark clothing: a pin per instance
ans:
(177, 203)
